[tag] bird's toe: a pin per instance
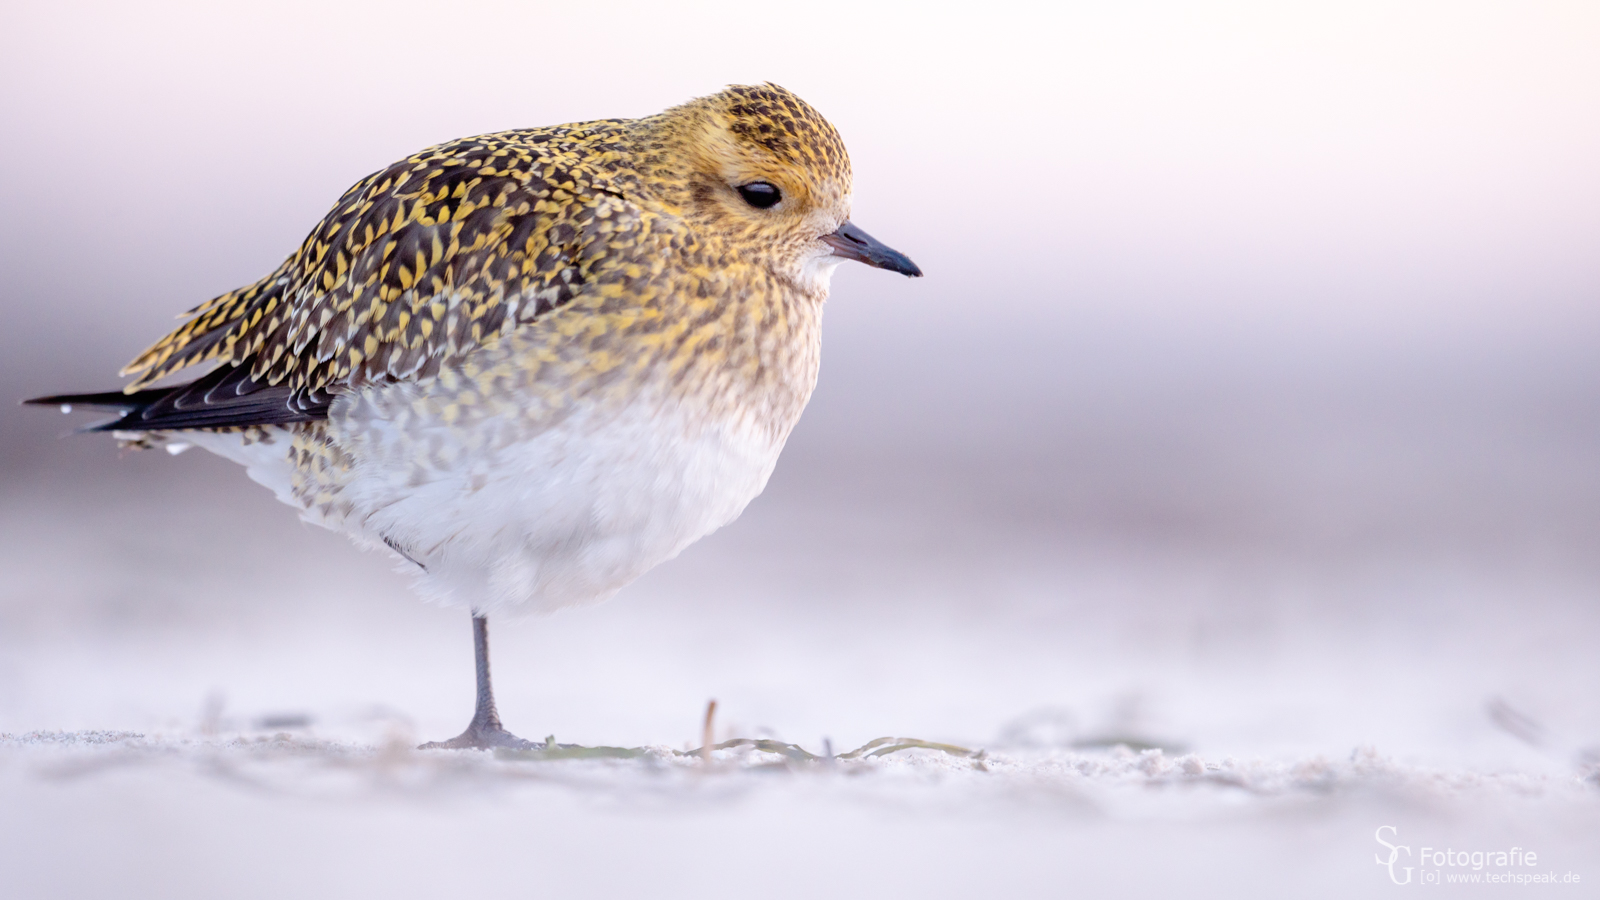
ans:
(479, 738)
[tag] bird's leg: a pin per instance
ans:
(485, 731)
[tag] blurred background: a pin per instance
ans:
(1251, 402)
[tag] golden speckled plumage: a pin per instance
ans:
(431, 257)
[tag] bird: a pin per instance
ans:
(532, 364)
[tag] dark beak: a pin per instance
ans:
(851, 242)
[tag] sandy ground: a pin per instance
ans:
(268, 816)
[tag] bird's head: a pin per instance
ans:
(758, 167)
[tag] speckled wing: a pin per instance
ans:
(416, 264)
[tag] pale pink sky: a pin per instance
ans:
(1357, 160)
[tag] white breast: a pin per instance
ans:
(567, 516)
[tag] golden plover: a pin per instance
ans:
(535, 363)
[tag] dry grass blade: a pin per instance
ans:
(553, 750)
(791, 752)
(886, 745)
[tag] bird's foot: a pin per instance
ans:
(482, 737)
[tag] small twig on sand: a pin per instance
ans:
(706, 732)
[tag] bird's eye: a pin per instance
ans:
(760, 194)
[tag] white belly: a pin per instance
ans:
(566, 516)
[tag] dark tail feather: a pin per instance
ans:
(126, 404)
(107, 400)
(224, 398)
